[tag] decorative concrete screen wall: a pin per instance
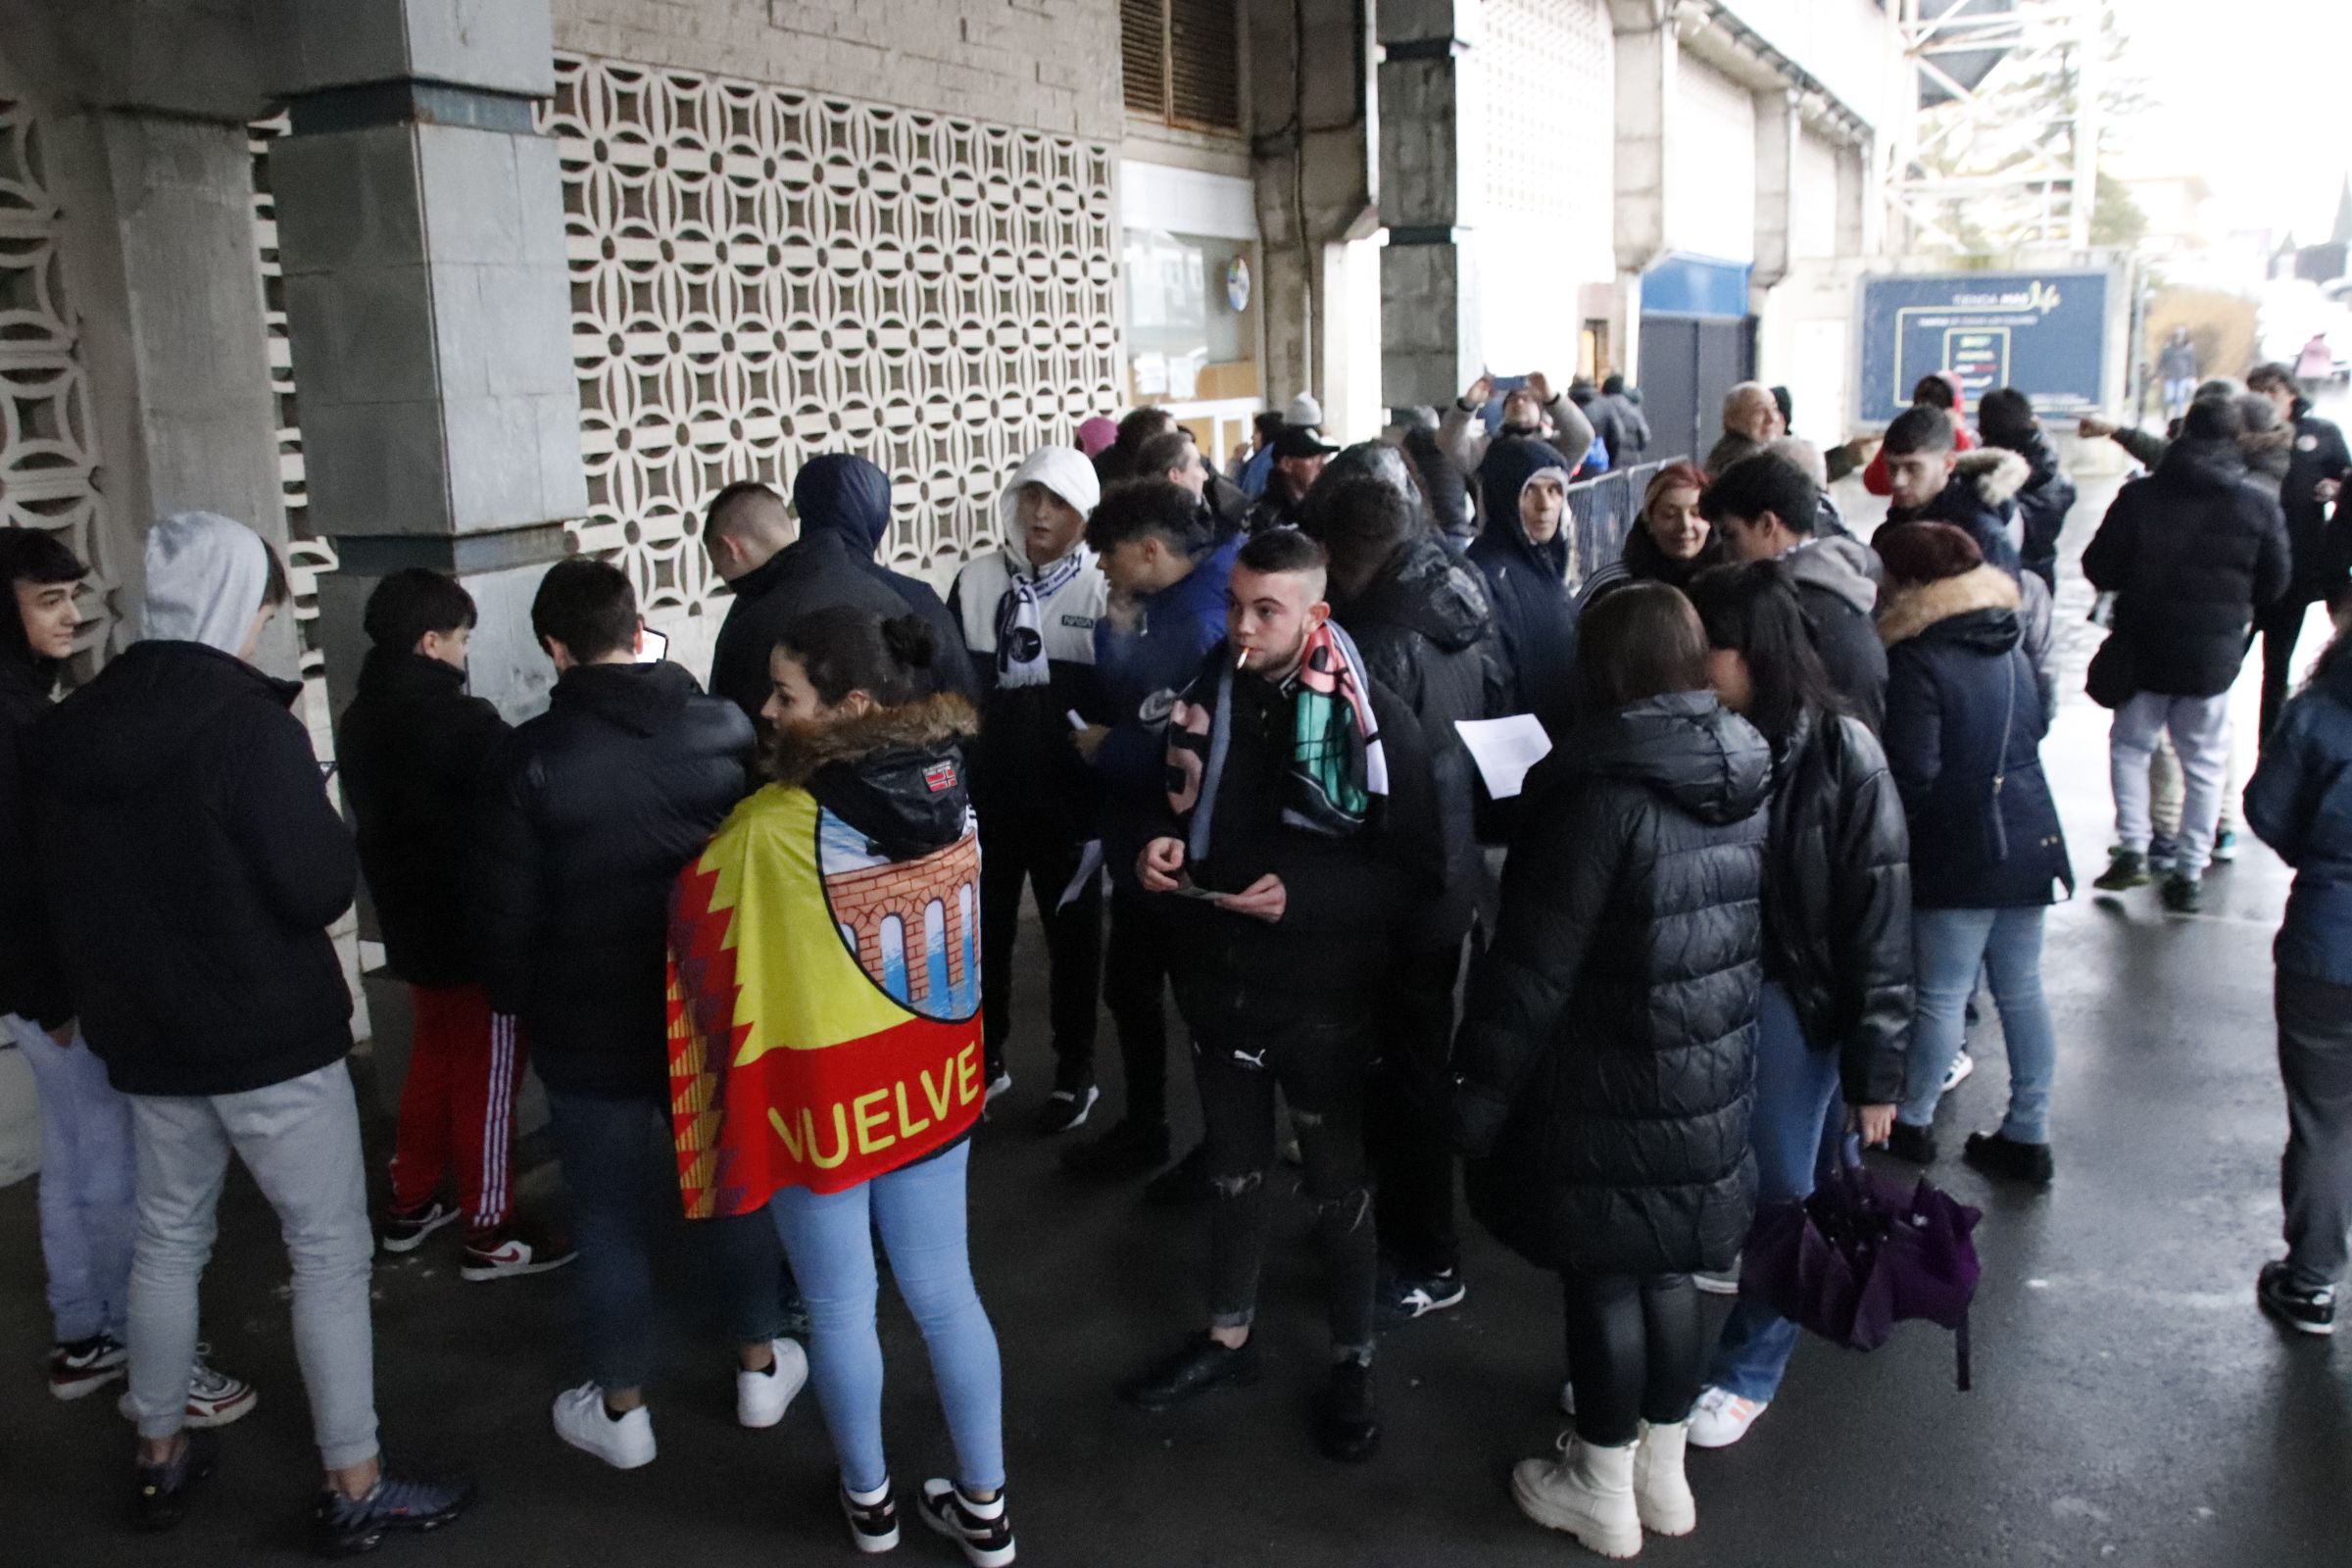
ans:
(48, 439)
(761, 275)
(1546, 70)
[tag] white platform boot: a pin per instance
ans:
(1589, 1494)
(1661, 1492)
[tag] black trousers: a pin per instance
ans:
(1405, 1127)
(2280, 626)
(1135, 984)
(1636, 1352)
(1320, 1071)
(1015, 855)
(2315, 1175)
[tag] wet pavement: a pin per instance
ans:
(2130, 1407)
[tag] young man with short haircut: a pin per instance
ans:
(1930, 479)
(88, 1217)
(413, 747)
(191, 864)
(1299, 828)
(1166, 570)
(591, 812)
(1766, 509)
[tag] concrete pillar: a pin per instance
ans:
(1431, 159)
(157, 214)
(1778, 128)
(421, 231)
(1648, 58)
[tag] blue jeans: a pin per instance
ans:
(618, 1164)
(1948, 947)
(88, 1216)
(1796, 1128)
(830, 1239)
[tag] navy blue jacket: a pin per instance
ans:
(1981, 501)
(849, 497)
(1985, 832)
(1143, 658)
(1534, 613)
(2300, 801)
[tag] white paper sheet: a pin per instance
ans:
(1505, 749)
(1090, 868)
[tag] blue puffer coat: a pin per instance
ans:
(1985, 832)
(2300, 801)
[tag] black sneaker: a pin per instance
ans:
(1200, 1365)
(1129, 1148)
(984, 1529)
(1405, 1296)
(1065, 1109)
(345, 1527)
(2306, 1308)
(874, 1520)
(1997, 1156)
(1185, 1182)
(1347, 1423)
(2125, 869)
(161, 1499)
(2184, 895)
(84, 1367)
(404, 1229)
(1913, 1145)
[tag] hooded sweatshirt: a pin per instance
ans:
(849, 497)
(2042, 504)
(592, 809)
(1024, 765)
(189, 860)
(1607, 1052)
(1836, 588)
(1534, 613)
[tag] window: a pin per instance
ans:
(1182, 62)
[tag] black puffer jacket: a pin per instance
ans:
(2320, 556)
(815, 571)
(2042, 505)
(593, 810)
(413, 747)
(1981, 501)
(190, 863)
(1838, 902)
(31, 985)
(1606, 1054)
(1422, 629)
(1535, 615)
(2192, 553)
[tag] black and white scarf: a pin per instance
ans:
(1021, 619)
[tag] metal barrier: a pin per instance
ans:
(1604, 510)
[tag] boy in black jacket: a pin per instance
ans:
(413, 749)
(592, 811)
(1301, 827)
(191, 865)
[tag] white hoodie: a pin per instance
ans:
(205, 579)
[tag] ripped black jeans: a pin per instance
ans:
(1320, 1072)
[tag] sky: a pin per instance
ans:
(2249, 93)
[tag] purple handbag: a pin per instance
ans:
(1859, 1256)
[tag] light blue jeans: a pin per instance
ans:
(920, 1209)
(1796, 1128)
(88, 1220)
(1948, 947)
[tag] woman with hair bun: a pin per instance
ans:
(826, 1043)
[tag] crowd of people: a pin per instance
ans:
(759, 943)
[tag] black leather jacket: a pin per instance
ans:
(1838, 903)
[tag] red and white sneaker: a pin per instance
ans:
(87, 1365)
(1722, 1418)
(509, 1251)
(215, 1398)
(404, 1229)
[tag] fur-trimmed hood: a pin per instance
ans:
(928, 723)
(1913, 609)
(896, 775)
(1995, 473)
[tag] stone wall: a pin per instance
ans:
(1042, 65)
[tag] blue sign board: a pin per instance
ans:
(2044, 333)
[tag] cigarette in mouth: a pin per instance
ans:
(1242, 662)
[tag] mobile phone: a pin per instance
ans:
(1189, 891)
(653, 647)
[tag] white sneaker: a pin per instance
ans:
(1568, 1398)
(1723, 1418)
(1000, 1084)
(1725, 1281)
(215, 1398)
(762, 1398)
(580, 1421)
(1661, 1490)
(1589, 1494)
(1957, 1073)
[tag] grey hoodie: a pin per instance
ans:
(206, 575)
(1840, 565)
(1838, 591)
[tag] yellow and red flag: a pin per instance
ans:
(825, 1005)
